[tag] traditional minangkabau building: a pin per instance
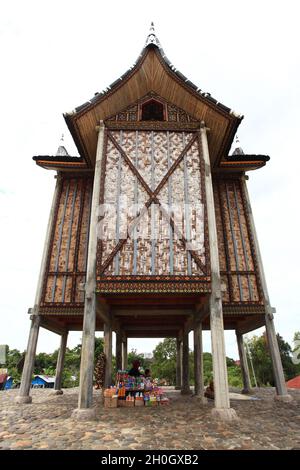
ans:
(151, 232)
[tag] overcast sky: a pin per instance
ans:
(55, 55)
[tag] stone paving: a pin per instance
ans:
(47, 424)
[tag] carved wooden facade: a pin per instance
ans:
(67, 254)
(154, 211)
(152, 221)
(155, 182)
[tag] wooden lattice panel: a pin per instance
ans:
(133, 113)
(153, 217)
(67, 254)
(236, 250)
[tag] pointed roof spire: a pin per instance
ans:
(238, 149)
(152, 38)
(61, 151)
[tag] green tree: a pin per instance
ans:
(234, 376)
(262, 364)
(164, 360)
(164, 365)
(99, 347)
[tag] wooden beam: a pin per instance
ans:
(250, 324)
(151, 327)
(198, 363)
(178, 363)
(23, 395)
(280, 384)
(185, 385)
(222, 408)
(52, 325)
(85, 400)
(118, 349)
(102, 311)
(60, 363)
(151, 334)
(151, 313)
(243, 364)
(108, 354)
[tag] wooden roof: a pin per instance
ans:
(153, 72)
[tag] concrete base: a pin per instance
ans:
(84, 414)
(247, 391)
(283, 398)
(57, 392)
(22, 400)
(202, 400)
(224, 414)
(186, 392)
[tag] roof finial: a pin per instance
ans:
(238, 149)
(152, 38)
(61, 151)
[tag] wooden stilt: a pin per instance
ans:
(108, 353)
(281, 389)
(178, 363)
(124, 354)
(60, 364)
(185, 389)
(85, 401)
(222, 408)
(119, 350)
(243, 364)
(198, 363)
(23, 395)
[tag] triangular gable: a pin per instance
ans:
(172, 113)
(152, 72)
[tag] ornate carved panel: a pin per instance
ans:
(236, 251)
(153, 220)
(67, 254)
(171, 112)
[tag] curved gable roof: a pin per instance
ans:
(153, 72)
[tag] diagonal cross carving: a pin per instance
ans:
(152, 198)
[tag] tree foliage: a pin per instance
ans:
(163, 363)
(261, 360)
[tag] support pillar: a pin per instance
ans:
(85, 400)
(222, 408)
(243, 364)
(60, 364)
(185, 388)
(124, 354)
(108, 353)
(118, 350)
(178, 363)
(281, 390)
(23, 396)
(198, 363)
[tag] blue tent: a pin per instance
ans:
(43, 381)
(9, 383)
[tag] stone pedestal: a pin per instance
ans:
(224, 414)
(84, 414)
(21, 400)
